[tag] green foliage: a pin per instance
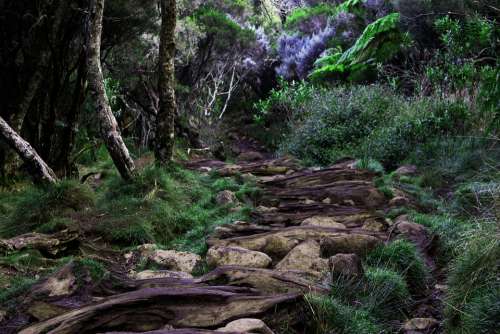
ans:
(171, 207)
(226, 33)
(403, 257)
(16, 287)
(378, 43)
(331, 315)
(368, 122)
(473, 280)
(37, 206)
(302, 14)
(95, 269)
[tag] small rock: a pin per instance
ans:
(420, 324)
(3, 315)
(150, 274)
(323, 222)
(346, 265)
(247, 326)
(399, 201)
(308, 201)
(327, 200)
(146, 250)
(176, 261)
(226, 197)
(250, 156)
(43, 311)
(305, 257)
(359, 244)
(374, 226)
(412, 231)
(406, 170)
(205, 169)
(230, 256)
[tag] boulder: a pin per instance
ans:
(304, 257)
(176, 261)
(420, 325)
(247, 326)
(279, 246)
(230, 256)
(358, 244)
(151, 274)
(345, 265)
(412, 231)
(322, 222)
(226, 197)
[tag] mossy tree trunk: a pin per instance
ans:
(40, 171)
(165, 132)
(110, 132)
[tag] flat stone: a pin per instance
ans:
(247, 326)
(250, 156)
(399, 201)
(374, 225)
(323, 222)
(406, 170)
(279, 246)
(230, 256)
(151, 274)
(176, 261)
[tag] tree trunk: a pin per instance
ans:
(110, 132)
(166, 113)
(37, 167)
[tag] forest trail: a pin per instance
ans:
(310, 226)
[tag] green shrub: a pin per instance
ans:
(36, 206)
(403, 257)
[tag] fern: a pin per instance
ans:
(378, 43)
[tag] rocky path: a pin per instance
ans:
(310, 225)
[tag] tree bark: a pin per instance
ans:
(166, 114)
(110, 132)
(37, 167)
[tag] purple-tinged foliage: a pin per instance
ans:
(298, 53)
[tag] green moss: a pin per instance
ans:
(16, 287)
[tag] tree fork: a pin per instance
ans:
(110, 132)
(165, 119)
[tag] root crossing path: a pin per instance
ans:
(309, 226)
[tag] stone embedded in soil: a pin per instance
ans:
(43, 311)
(375, 225)
(358, 244)
(151, 274)
(248, 325)
(322, 222)
(305, 257)
(345, 265)
(176, 261)
(62, 283)
(420, 324)
(399, 201)
(228, 256)
(279, 246)
(226, 197)
(406, 170)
